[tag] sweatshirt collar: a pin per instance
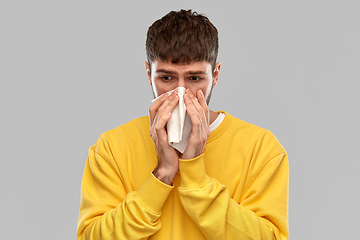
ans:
(222, 127)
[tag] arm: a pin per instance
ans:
(261, 215)
(168, 159)
(108, 211)
(111, 210)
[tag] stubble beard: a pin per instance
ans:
(209, 96)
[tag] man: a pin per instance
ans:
(230, 182)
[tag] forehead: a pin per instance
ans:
(199, 66)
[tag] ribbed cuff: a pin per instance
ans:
(192, 173)
(153, 193)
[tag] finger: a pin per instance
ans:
(153, 135)
(169, 106)
(202, 102)
(155, 106)
(201, 99)
(159, 105)
(202, 111)
(160, 127)
(194, 100)
(190, 108)
(170, 103)
(202, 116)
(193, 113)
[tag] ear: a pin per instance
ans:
(147, 67)
(216, 73)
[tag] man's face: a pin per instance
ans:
(166, 76)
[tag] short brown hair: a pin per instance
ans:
(182, 37)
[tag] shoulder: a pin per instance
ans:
(135, 126)
(123, 135)
(259, 145)
(235, 126)
(256, 136)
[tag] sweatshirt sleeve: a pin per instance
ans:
(108, 211)
(262, 215)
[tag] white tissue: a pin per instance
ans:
(179, 126)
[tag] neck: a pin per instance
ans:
(213, 116)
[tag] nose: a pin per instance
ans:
(181, 82)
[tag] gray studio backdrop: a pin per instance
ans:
(71, 70)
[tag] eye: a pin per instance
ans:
(194, 78)
(166, 78)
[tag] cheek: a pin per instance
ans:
(155, 89)
(206, 90)
(204, 87)
(160, 88)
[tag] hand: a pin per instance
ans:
(168, 158)
(200, 117)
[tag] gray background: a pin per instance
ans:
(71, 70)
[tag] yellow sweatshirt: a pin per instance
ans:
(237, 189)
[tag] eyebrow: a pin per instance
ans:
(165, 71)
(174, 73)
(195, 72)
